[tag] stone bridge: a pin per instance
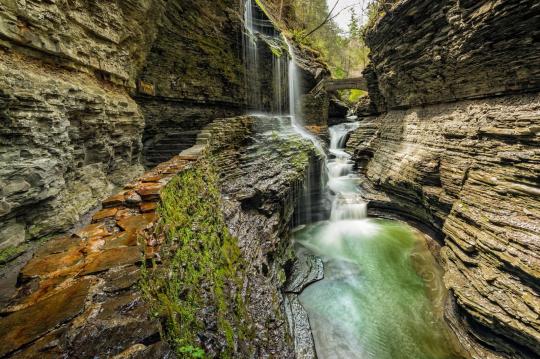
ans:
(332, 85)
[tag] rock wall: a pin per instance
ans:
(67, 139)
(467, 167)
(110, 38)
(81, 295)
(85, 82)
(428, 52)
(70, 132)
(194, 73)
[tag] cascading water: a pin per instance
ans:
(372, 302)
(382, 295)
(251, 57)
(260, 41)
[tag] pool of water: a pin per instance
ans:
(381, 296)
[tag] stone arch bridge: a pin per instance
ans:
(332, 85)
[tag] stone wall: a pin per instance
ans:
(465, 166)
(425, 51)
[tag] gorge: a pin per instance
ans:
(176, 181)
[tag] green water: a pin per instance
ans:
(382, 295)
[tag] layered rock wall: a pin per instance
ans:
(85, 82)
(70, 132)
(466, 166)
(429, 52)
(80, 295)
(67, 139)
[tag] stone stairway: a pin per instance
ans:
(168, 145)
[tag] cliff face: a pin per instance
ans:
(194, 73)
(69, 130)
(89, 294)
(84, 83)
(429, 52)
(467, 167)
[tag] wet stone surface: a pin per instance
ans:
(77, 296)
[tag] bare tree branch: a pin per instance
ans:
(329, 18)
(324, 21)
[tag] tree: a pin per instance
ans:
(354, 28)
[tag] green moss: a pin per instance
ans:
(201, 265)
(295, 149)
(355, 95)
(10, 253)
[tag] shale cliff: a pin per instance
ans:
(87, 91)
(456, 148)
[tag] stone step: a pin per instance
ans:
(171, 146)
(169, 140)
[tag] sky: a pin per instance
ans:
(342, 20)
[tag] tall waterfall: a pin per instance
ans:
(261, 43)
(293, 85)
(251, 57)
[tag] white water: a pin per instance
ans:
(372, 303)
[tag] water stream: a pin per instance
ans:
(382, 296)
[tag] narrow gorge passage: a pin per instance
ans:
(288, 179)
(382, 294)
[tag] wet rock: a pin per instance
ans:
(148, 207)
(306, 269)
(11, 234)
(111, 337)
(337, 112)
(57, 165)
(53, 263)
(121, 279)
(435, 165)
(304, 346)
(134, 223)
(158, 350)
(149, 190)
(115, 200)
(452, 51)
(104, 213)
(110, 258)
(258, 201)
(132, 198)
(28, 324)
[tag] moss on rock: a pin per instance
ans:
(197, 287)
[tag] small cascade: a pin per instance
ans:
(294, 85)
(372, 302)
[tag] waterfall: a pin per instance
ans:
(294, 86)
(260, 40)
(251, 57)
(343, 184)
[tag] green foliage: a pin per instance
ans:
(354, 28)
(345, 53)
(201, 265)
(192, 351)
(355, 95)
(339, 73)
